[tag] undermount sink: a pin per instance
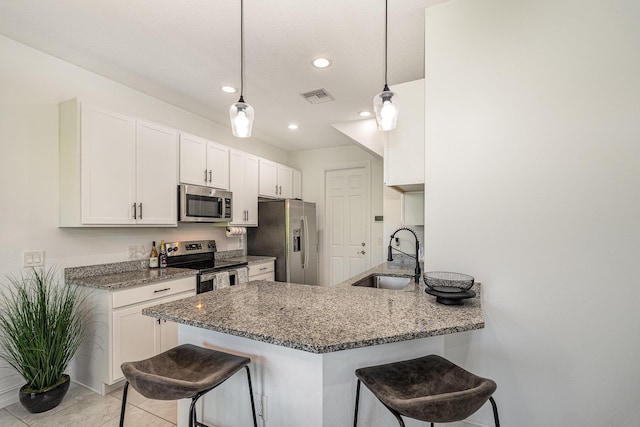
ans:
(383, 282)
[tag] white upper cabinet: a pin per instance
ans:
(115, 169)
(268, 179)
(276, 180)
(203, 162)
(404, 148)
(156, 173)
(285, 182)
(243, 181)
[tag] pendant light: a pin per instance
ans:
(385, 104)
(241, 113)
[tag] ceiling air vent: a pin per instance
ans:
(317, 96)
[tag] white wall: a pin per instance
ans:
(31, 86)
(533, 186)
(314, 163)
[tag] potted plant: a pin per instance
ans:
(41, 327)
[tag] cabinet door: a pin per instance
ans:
(251, 180)
(237, 185)
(156, 174)
(135, 337)
(268, 179)
(297, 184)
(218, 165)
(108, 166)
(285, 182)
(193, 160)
(168, 334)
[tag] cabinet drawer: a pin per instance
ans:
(153, 291)
(259, 269)
(266, 276)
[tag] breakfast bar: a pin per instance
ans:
(306, 341)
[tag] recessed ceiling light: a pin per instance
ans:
(321, 62)
(293, 126)
(364, 113)
(228, 89)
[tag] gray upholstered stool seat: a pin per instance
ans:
(186, 371)
(429, 388)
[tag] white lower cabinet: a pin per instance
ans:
(137, 337)
(262, 271)
(118, 331)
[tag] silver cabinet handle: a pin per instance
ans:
(140, 207)
(135, 212)
(264, 268)
(276, 189)
(205, 175)
(281, 190)
(210, 172)
(161, 290)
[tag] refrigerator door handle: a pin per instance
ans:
(305, 257)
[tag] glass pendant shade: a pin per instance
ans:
(241, 115)
(385, 104)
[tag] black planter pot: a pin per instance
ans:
(42, 401)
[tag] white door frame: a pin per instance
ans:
(323, 264)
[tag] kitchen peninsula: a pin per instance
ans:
(306, 341)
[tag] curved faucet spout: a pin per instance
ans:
(416, 257)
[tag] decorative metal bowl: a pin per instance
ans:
(445, 281)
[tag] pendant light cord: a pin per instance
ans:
(386, 13)
(241, 50)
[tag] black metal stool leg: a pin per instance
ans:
(495, 411)
(253, 405)
(355, 415)
(124, 402)
(192, 410)
(397, 415)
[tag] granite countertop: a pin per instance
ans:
(252, 259)
(122, 275)
(133, 273)
(323, 319)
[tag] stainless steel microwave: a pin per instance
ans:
(203, 204)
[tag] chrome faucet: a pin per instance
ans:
(390, 256)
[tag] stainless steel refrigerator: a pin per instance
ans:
(287, 230)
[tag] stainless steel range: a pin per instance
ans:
(200, 255)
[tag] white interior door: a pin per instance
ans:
(348, 223)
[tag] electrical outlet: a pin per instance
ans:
(33, 259)
(132, 251)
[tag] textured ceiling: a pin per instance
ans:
(183, 51)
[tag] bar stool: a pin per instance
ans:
(428, 388)
(185, 371)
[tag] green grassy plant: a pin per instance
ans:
(41, 326)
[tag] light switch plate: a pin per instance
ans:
(33, 259)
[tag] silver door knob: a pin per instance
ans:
(363, 244)
(362, 252)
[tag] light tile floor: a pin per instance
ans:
(83, 407)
